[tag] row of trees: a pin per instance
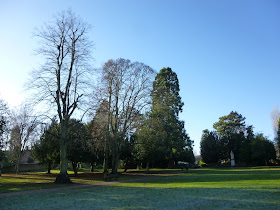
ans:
(157, 138)
(121, 98)
(131, 112)
(231, 134)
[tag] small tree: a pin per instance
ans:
(262, 150)
(3, 128)
(78, 149)
(99, 129)
(23, 130)
(209, 147)
(47, 149)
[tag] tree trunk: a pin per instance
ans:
(266, 162)
(92, 167)
(63, 177)
(115, 161)
(148, 166)
(171, 163)
(49, 167)
(125, 166)
(106, 154)
(75, 168)
(17, 167)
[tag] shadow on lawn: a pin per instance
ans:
(110, 197)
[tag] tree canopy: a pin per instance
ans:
(163, 131)
(232, 134)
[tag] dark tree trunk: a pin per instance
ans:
(92, 167)
(17, 167)
(106, 155)
(148, 166)
(63, 177)
(75, 167)
(171, 163)
(115, 161)
(125, 166)
(49, 167)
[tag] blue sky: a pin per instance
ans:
(226, 53)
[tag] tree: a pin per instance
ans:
(23, 130)
(126, 90)
(262, 150)
(78, 150)
(166, 105)
(231, 129)
(4, 112)
(47, 149)
(63, 80)
(99, 129)
(209, 147)
(163, 132)
(148, 147)
(275, 116)
(245, 150)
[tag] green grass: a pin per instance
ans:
(259, 177)
(238, 188)
(38, 180)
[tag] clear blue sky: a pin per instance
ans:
(225, 53)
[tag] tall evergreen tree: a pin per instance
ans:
(163, 130)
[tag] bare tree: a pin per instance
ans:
(126, 88)
(4, 112)
(63, 80)
(275, 115)
(23, 131)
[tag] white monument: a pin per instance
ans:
(232, 161)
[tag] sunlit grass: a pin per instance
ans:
(217, 178)
(222, 188)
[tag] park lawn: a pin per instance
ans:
(41, 180)
(245, 188)
(252, 178)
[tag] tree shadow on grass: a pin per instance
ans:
(101, 197)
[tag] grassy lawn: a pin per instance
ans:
(245, 188)
(42, 180)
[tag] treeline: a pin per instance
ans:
(120, 134)
(129, 110)
(231, 135)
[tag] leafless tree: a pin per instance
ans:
(126, 88)
(4, 121)
(23, 132)
(275, 115)
(63, 81)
